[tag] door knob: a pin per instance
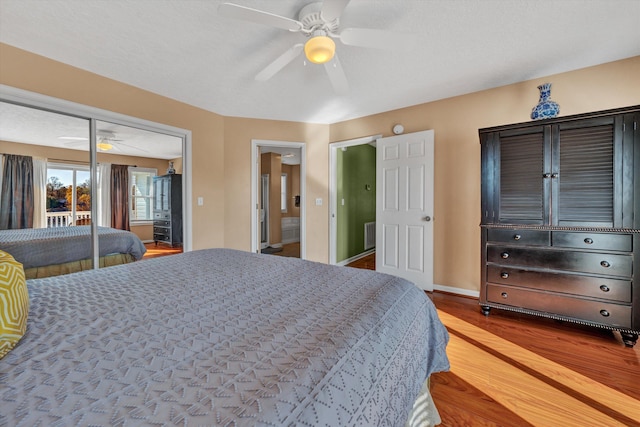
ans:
(427, 218)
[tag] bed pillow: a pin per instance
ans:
(14, 303)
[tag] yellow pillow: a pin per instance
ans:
(14, 303)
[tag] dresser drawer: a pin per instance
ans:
(161, 237)
(161, 230)
(519, 237)
(601, 241)
(161, 215)
(595, 287)
(159, 223)
(585, 262)
(611, 314)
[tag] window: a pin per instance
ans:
(283, 193)
(141, 191)
(68, 195)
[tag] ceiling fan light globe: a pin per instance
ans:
(104, 146)
(319, 49)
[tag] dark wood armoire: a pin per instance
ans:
(167, 209)
(561, 219)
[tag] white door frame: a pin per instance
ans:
(255, 183)
(333, 190)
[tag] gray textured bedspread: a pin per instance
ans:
(37, 247)
(221, 337)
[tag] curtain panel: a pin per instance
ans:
(120, 197)
(16, 195)
(104, 194)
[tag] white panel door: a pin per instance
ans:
(404, 207)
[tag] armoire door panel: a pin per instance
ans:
(521, 185)
(585, 175)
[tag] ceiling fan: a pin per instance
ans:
(319, 22)
(106, 141)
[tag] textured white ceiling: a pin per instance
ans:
(185, 50)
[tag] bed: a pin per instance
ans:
(224, 337)
(61, 250)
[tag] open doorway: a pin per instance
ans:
(278, 187)
(352, 193)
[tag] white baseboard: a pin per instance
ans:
(357, 257)
(459, 291)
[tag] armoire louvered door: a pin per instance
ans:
(523, 193)
(583, 187)
(558, 175)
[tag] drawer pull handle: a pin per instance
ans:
(517, 237)
(605, 264)
(588, 241)
(504, 255)
(505, 295)
(604, 288)
(604, 313)
(504, 275)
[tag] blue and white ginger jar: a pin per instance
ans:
(546, 108)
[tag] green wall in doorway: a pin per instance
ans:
(356, 185)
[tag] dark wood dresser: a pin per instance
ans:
(167, 209)
(561, 219)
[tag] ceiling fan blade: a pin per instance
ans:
(280, 62)
(378, 39)
(231, 10)
(135, 147)
(332, 9)
(336, 76)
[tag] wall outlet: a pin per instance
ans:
(200, 201)
(318, 201)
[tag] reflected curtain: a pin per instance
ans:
(39, 192)
(16, 196)
(104, 194)
(120, 197)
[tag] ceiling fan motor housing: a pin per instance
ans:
(311, 18)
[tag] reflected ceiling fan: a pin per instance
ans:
(319, 22)
(106, 141)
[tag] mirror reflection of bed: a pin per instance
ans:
(48, 154)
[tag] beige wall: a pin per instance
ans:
(457, 149)
(218, 141)
(238, 133)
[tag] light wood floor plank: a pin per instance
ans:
(506, 378)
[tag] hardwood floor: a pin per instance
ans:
(160, 249)
(510, 369)
(290, 250)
